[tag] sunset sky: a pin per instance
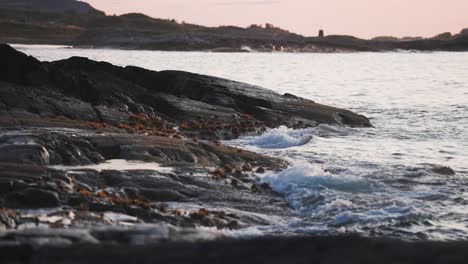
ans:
(363, 18)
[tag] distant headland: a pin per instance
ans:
(75, 23)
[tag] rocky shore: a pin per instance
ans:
(59, 119)
(100, 163)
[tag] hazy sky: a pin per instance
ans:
(363, 18)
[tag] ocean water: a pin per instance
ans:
(376, 182)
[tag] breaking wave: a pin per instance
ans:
(282, 137)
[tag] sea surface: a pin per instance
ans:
(375, 181)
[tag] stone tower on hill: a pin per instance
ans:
(321, 33)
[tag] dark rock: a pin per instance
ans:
(22, 172)
(6, 186)
(8, 219)
(443, 170)
(22, 150)
(78, 91)
(292, 96)
(17, 67)
(135, 193)
(47, 149)
(247, 167)
(33, 198)
(162, 195)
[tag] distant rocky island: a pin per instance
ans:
(75, 23)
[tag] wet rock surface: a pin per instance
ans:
(92, 153)
(27, 182)
(78, 92)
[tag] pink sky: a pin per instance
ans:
(363, 18)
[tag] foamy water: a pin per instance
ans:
(334, 188)
(377, 182)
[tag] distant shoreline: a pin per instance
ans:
(54, 46)
(141, 32)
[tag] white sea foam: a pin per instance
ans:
(284, 138)
(303, 184)
(314, 177)
(281, 137)
(341, 198)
